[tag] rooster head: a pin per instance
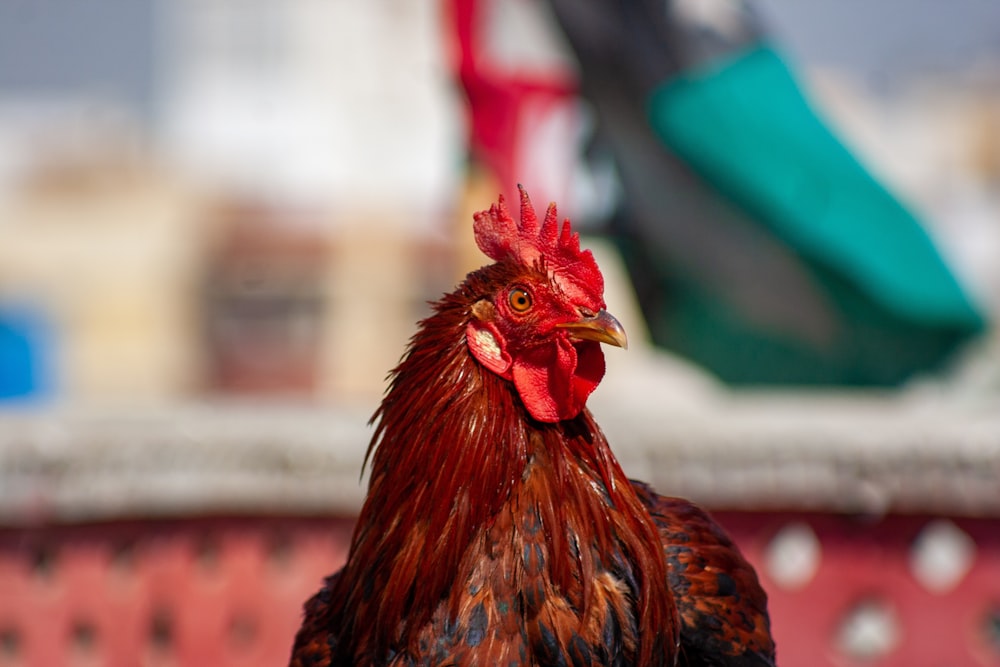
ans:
(541, 326)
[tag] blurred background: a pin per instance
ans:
(221, 219)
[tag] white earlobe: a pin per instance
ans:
(486, 346)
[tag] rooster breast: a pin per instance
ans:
(536, 587)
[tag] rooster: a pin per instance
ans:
(499, 529)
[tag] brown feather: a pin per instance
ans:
(490, 537)
(476, 511)
(723, 608)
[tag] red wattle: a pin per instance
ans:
(554, 381)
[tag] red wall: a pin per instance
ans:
(229, 591)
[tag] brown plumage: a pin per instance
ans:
(499, 528)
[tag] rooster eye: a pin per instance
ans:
(519, 300)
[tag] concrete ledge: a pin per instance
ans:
(82, 464)
(833, 453)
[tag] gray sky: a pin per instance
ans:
(884, 40)
(107, 46)
(63, 46)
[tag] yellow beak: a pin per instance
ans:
(602, 327)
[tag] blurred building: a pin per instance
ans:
(138, 147)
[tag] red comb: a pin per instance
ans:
(500, 237)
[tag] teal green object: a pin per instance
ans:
(745, 128)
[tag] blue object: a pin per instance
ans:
(25, 351)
